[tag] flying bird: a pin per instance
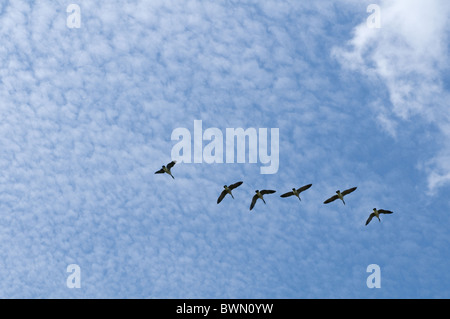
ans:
(260, 194)
(297, 192)
(376, 213)
(339, 195)
(166, 169)
(227, 190)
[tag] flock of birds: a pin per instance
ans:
(295, 192)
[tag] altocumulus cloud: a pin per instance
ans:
(87, 116)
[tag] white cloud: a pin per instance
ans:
(409, 53)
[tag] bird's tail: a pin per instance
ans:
(263, 200)
(232, 195)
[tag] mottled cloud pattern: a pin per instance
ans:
(87, 116)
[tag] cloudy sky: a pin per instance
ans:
(87, 114)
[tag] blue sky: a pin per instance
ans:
(87, 116)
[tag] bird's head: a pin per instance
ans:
(374, 209)
(224, 186)
(257, 191)
(293, 189)
(338, 191)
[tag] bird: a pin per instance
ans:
(260, 194)
(339, 195)
(297, 192)
(376, 213)
(166, 169)
(227, 190)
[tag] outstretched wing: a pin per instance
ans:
(304, 188)
(287, 194)
(267, 191)
(222, 195)
(331, 199)
(383, 211)
(348, 191)
(370, 218)
(161, 171)
(171, 164)
(255, 197)
(233, 186)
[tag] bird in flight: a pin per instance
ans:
(376, 213)
(260, 194)
(339, 195)
(166, 169)
(227, 190)
(297, 192)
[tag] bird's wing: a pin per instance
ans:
(267, 191)
(255, 197)
(222, 195)
(233, 186)
(383, 211)
(171, 164)
(370, 218)
(287, 194)
(329, 200)
(304, 188)
(161, 171)
(348, 191)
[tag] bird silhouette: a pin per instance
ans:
(339, 195)
(296, 192)
(376, 213)
(166, 169)
(260, 194)
(227, 190)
